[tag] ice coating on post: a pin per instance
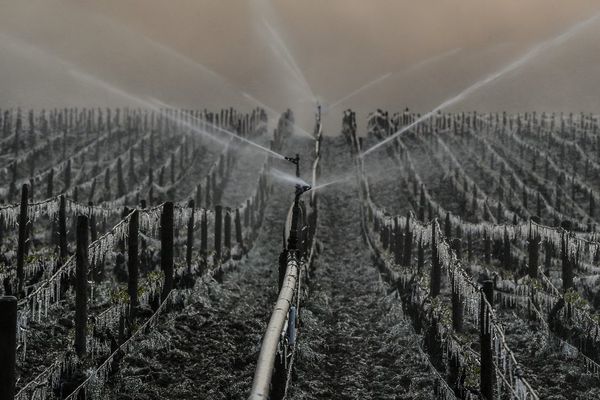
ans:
(81, 272)
(487, 372)
(8, 346)
(166, 248)
(218, 232)
(190, 236)
(133, 262)
(21, 246)
(227, 232)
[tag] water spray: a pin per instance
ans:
(524, 59)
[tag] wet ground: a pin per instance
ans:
(354, 342)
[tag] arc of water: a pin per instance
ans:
(169, 51)
(222, 130)
(157, 107)
(531, 54)
(285, 177)
(280, 47)
(359, 90)
(380, 79)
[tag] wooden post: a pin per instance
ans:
(436, 273)
(204, 235)
(487, 371)
(8, 346)
(548, 253)
(22, 241)
(392, 232)
(384, 236)
(533, 247)
(567, 264)
(406, 257)
(238, 230)
(166, 247)
(457, 308)
(218, 226)
(81, 288)
(50, 187)
(252, 215)
(420, 255)
(133, 262)
(506, 252)
(190, 237)
(227, 239)
(62, 229)
(247, 213)
(487, 248)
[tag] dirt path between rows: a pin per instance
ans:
(354, 342)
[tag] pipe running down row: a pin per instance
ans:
(262, 377)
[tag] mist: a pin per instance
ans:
(279, 54)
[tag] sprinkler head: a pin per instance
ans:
(304, 188)
(296, 162)
(293, 160)
(300, 189)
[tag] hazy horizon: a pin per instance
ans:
(286, 54)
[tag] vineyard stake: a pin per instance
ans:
(436, 273)
(8, 346)
(238, 230)
(203, 238)
(251, 211)
(133, 262)
(218, 234)
(247, 213)
(457, 308)
(487, 371)
(533, 247)
(62, 229)
(487, 248)
(21, 245)
(227, 240)
(50, 187)
(567, 264)
(407, 243)
(81, 288)
(190, 237)
(383, 236)
(393, 232)
(166, 247)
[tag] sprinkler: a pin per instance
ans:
(296, 209)
(294, 242)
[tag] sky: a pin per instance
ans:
(292, 53)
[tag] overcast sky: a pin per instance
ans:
(288, 52)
